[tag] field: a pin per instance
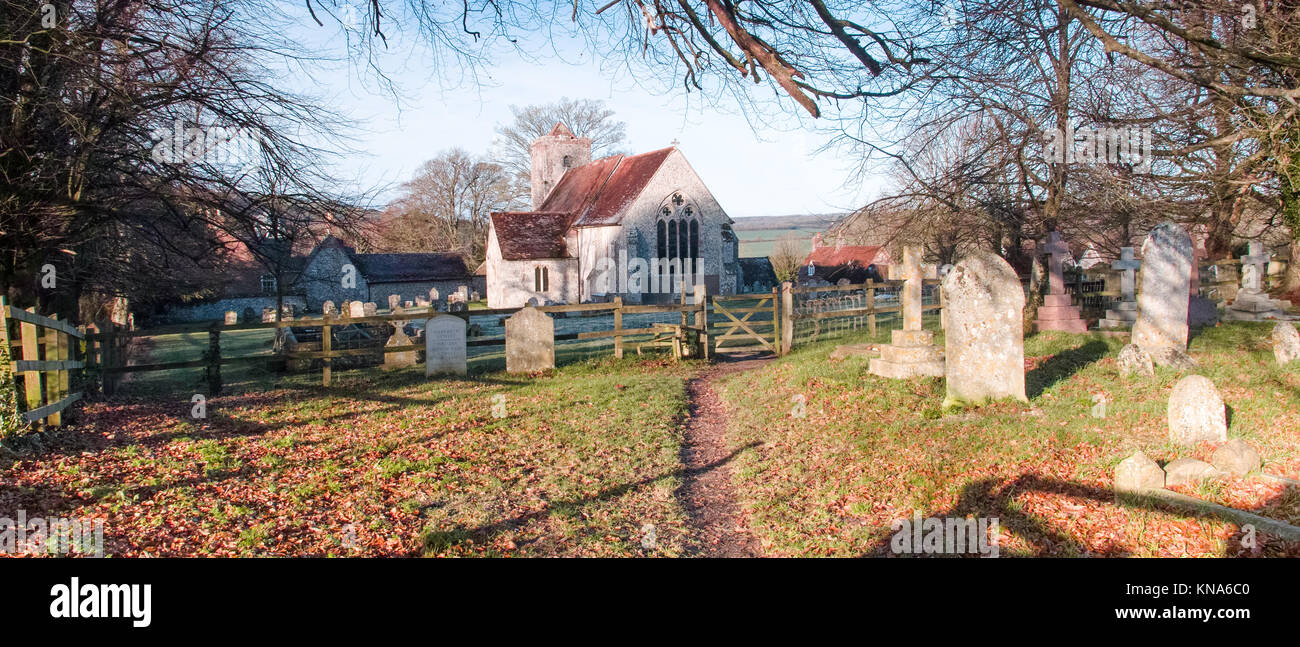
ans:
(763, 242)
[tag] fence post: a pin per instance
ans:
(31, 351)
(107, 356)
(618, 327)
(787, 318)
(702, 318)
(871, 308)
(52, 379)
(327, 345)
(214, 360)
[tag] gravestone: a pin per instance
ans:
(286, 312)
(1161, 327)
(356, 309)
(475, 296)
(328, 308)
(249, 316)
(232, 317)
(444, 345)
(268, 315)
(1286, 343)
(394, 301)
(1057, 313)
(369, 309)
(433, 295)
(409, 304)
(1200, 310)
(1135, 361)
(1184, 471)
(1236, 457)
(984, 341)
(1196, 412)
(1137, 473)
(1252, 302)
(463, 292)
(912, 352)
(1090, 258)
(530, 341)
(400, 359)
(1125, 312)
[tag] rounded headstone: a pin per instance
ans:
(1135, 361)
(984, 331)
(1163, 299)
(1137, 473)
(1196, 412)
(1188, 470)
(1286, 342)
(1236, 457)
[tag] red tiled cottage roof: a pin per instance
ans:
(832, 263)
(531, 235)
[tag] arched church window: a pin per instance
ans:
(541, 279)
(672, 239)
(663, 242)
(684, 238)
(695, 238)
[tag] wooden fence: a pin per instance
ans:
(43, 356)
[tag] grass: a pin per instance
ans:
(581, 460)
(870, 450)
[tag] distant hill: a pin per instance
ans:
(818, 221)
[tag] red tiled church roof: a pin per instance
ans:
(594, 194)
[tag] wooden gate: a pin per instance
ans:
(42, 354)
(735, 327)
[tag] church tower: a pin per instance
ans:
(551, 155)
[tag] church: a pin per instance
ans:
(633, 226)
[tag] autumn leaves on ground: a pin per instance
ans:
(586, 460)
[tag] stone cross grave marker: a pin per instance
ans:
(444, 345)
(1125, 311)
(400, 359)
(911, 351)
(1252, 267)
(1057, 313)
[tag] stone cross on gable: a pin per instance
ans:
(1253, 265)
(1128, 266)
(1057, 252)
(912, 278)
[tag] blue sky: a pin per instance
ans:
(771, 170)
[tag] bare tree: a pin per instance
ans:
(786, 258)
(584, 117)
(446, 206)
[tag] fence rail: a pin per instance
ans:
(42, 360)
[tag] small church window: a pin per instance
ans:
(672, 239)
(268, 284)
(541, 279)
(663, 243)
(567, 161)
(695, 239)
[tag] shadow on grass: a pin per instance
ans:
(1062, 365)
(985, 499)
(442, 540)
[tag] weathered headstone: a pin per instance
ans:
(356, 309)
(1196, 412)
(1125, 311)
(1090, 258)
(328, 308)
(444, 345)
(1137, 473)
(1200, 310)
(1252, 302)
(475, 296)
(1286, 342)
(232, 318)
(433, 295)
(1057, 313)
(1236, 457)
(369, 309)
(1135, 361)
(1161, 328)
(530, 341)
(984, 340)
(400, 359)
(268, 315)
(912, 352)
(1184, 471)
(394, 301)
